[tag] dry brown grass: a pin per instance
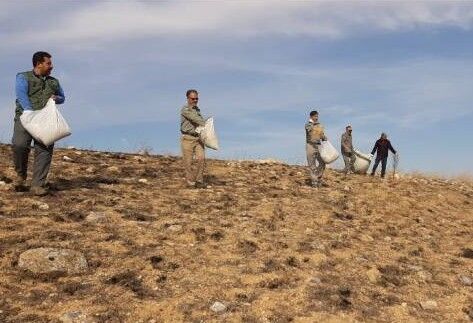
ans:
(260, 241)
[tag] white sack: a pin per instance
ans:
(328, 153)
(208, 135)
(362, 162)
(46, 125)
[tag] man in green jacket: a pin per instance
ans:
(33, 90)
(347, 150)
(315, 134)
(191, 145)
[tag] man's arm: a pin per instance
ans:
(193, 117)
(21, 90)
(374, 148)
(308, 127)
(59, 97)
(391, 148)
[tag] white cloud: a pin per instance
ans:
(113, 21)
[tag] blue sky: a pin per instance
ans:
(260, 66)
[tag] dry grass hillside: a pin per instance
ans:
(260, 241)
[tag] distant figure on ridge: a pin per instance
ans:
(33, 90)
(382, 147)
(347, 150)
(191, 145)
(314, 136)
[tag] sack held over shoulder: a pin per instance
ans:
(208, 135)
(46, 125)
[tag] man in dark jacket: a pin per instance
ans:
(382, 147)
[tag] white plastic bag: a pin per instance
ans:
(46, 125)
(362, 162)
(208, 135)
(328, 153)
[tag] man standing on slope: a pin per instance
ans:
(382, 146)
(314, 135)
(347, 150)
(191, 145)
(33, 90)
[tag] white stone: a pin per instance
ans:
(96, 217)
(466, 280)
(65, 158)
(175, 228)
(373, 275)
(143, 181)
(43, 206)
(46, 260)
(218, 307)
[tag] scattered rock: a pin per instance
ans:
(374, 275)
(218, 307)
(65, 158)
(96, 217)
(175, 228)
(3, 186)
(467, 281)
(424, 276)
(428, 305)
(315, 281)
(50, 260)
(268, 161)
(90, 169)
(347, 188)
(75, 317)
(43, 206)
(366, 238)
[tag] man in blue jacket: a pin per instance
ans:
(382, 146)
(33, 90)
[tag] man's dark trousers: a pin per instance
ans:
(384, 162)
(42, 155)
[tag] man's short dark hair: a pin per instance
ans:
(38, 57)
(191, 91)
(313, 113)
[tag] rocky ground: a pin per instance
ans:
(122, 240)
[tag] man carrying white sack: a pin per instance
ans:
(33, 90)
(191, 145)
(314, 136)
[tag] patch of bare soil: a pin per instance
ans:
(259, 241)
